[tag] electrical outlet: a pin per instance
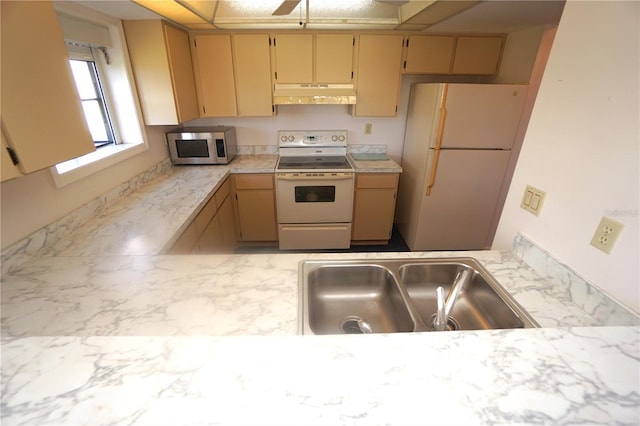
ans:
(606, 234)
(367, 128)
(533, 199)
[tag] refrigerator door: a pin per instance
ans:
(482, 115)
(458, 213)
(421, 132)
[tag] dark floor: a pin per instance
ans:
(396, 243)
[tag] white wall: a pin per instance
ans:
(582, 147)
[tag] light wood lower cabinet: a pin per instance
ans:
(255, 207)
(213, 229)
(374, 207)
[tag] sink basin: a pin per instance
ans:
(339, 296)
(480, 305)
(399, 295)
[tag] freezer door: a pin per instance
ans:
(459, 212)
(482, 115)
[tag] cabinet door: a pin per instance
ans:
(211, 239)
(334, 58)
(161, 62)
(373, 214)
(477, 55)
(184, 86)
(227, 227)
(187, 242)
(214, 71)
(378, 75)
(374, 206)
(41, 112)
(253, 74)
(8, 170)
(429, 54)
(257, 215)
(255, 207)
(294, 58)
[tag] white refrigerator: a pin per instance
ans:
(457, 146)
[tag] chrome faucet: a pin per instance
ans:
(444, 307)
(364, 326)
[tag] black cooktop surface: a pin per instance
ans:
(332, 162)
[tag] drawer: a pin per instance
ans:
(253, 181)
(376, 180)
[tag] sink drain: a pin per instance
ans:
(452, 324)
(355, 325)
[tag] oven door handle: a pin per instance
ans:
(299, 178)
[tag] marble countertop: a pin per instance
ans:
(149, 221)
(100, 333)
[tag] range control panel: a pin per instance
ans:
(312, 138)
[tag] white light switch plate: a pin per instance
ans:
(533, 199)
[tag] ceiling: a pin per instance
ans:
(446, 16)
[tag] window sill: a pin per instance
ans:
(73, 170)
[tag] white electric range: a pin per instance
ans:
(314, 189)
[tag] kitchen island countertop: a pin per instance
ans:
(99, 334)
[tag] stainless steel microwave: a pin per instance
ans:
(202, 145)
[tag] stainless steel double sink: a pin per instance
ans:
(399, 295)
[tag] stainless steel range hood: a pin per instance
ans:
(305, 94)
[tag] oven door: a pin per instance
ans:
(314, 197)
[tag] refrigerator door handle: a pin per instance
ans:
(436, 150)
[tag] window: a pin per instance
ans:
(91, 94)
(99, 65)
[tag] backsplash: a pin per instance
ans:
(370, 149)
(273, 149)
(595, 302)
(257, 150)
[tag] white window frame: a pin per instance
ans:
(125, 112)
(88, 54)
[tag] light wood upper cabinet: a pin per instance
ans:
(462, 55)
(477, 55)
(213, 69)
(429, 54)
(378, 75)
(252, 60)
(334, 58)
(42, 117)
(293, 58)
(323, 58)
(162, 65)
